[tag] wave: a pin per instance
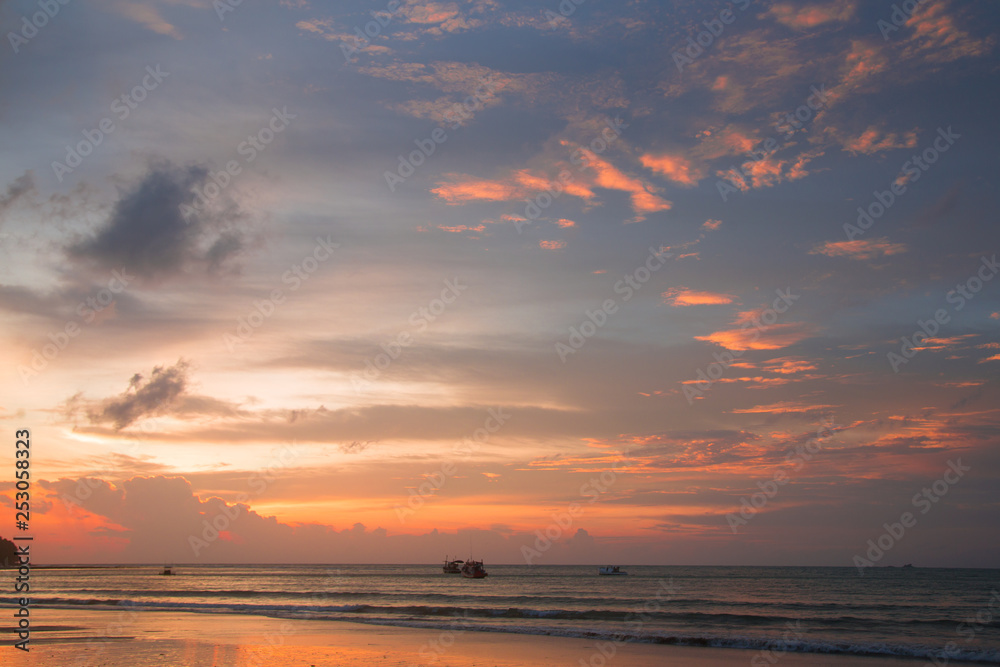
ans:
(489, 608)
(466, 619)
(624, 605)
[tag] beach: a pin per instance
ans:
(99, 638)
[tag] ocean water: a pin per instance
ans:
(949, 615)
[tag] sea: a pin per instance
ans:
(945, 616)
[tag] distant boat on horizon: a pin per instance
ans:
(611, 570)
(473, 569)
(452, 566)
(168, 571)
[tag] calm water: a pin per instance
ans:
(908, 612)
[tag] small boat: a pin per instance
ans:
(473, 569)
(167, 571)
(610, 569)
(452, 566)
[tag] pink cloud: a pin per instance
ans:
(682, 296)
(551, 245)
(869, 142)
(674, 167)
(800, 16)
(860, 249)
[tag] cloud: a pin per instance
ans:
(676, 168)
(802, 17)
(868, 142)
(711, 224)
(784, 407)
(773, 337)
(22, 186)
(463, 188)
(551, 245)
(682, 296)
(937, 39)
(644, 199)
(148, 16)
(860, 249)
(145, 396)
(148, 235)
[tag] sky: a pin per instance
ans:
(582, 282)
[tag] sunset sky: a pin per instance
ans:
(391, 299)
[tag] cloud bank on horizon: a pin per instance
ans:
(582, 280)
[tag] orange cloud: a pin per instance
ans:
(787, 366)
(810, 16)
(429, 12)
(465, 188)
(784, 407)
(608, 176)
(711, 224)
(462, 228)
(674, 167)
(938, 39)
(551, 245)
(773, 337)
(869, 142)
(682, 296)
(764, 173)
(563, 222)
(860, 249)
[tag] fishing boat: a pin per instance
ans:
(611, 569)
(167, 571)
(473, 569)
(452, 566)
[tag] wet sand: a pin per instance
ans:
(93, 638)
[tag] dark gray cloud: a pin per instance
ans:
(23, 185)
(145, 396)
(150, 234)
